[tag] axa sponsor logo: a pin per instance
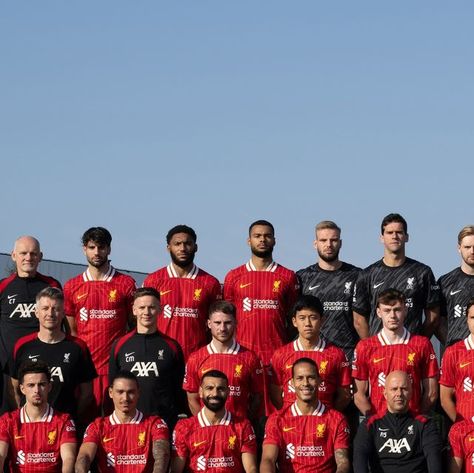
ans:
(57, 372)
(145, 369)
(395, 446)
(23, 311)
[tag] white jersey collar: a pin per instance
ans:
(232, 350)
(469, 343)
(321, 345)
(173, 274)
(271, 267)
(86, 275)
(204, 421)
(137, 418)
(319, 411)
(47, 417)
(384, 340)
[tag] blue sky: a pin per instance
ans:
(141, 115)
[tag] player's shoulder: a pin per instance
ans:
(124, 340)
(309, 271)
(374, 267)
(123, 279)
(348, 267)
(451, 277)
(155, 421)
(5, 282)
(419, 340)
(49, 280)
(236, 272)
(369, 342)
(160, 273)
(455, 348)
(416, 265)
(202, 274)
(334, 351)
(24, 342)
(187, 425)
(76, 341)
(283, 271)
(461, 428)
(333, 416)
(74, 282)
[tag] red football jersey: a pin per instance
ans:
(217, 448)
(263, 300)
(376, 357)
(332, 364)
(185, 303)
(35, 446)
(126, 448)
(306, 443)
(457, 371)
(101, 310)
(241, 366)
(461, 438)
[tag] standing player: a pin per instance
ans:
(457, 288)
(37, 437)
(263, 293)
(306, 436)
(98, 303)
(396, 271)
(394, 348)
(461, 439)
(457, 373)
(127, 441)
(214, 440)
(242, 367)
(68, 357)
(154, 358)
(334, 368)
(332, 281)
(186, 291)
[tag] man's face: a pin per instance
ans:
(222, 326)
(182, 249)
(50, 313)
(470, 319)
(97, 255)
(392, 316)
(394, 237)
(466, 250)
(397, 392)
(306, 382)
(327, 244)
(261, 241)
(213, 393)
(124, 394)
(308, 323)
(36, 388)
(27, 256)
(146, 309)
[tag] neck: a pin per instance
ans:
(307, 408)
(261, 264)
(394, 335)
(308, 344)
(51, 335)
(125, 418)
(467, 269)
(22, 274)
(146, 330)
(329, 265)
(214, 417)
(35, 413)
(222, 347)
(98, 273)
(182, 271)
(394, 259)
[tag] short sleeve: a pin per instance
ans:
(456, 441)
(92, 434)
(190, 380)
(5, 428)
(159, 429)
(341, 438)
(249, 443)
(272, 431)
(361, 297)
(68, 434)
(430, 363)
(256, 375)
(448, 370)
(179, 446)
(359, 365)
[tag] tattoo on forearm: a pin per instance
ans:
(341, 456)
(82, 465)
(161, 454)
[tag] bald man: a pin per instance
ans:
(17, 296)
(397, 441)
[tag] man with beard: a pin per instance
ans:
(457, 288)
(263, 293)
(306, 436)
(332, 281)
(98, 304)
(214, 440)
(186, 291)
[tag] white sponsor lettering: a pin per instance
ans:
(381, 379)
(143, 368)
(395, 445)
(467, 385)
(58, 373)
(335, 305)
(130, 459)
(25, 311)
(169, 312)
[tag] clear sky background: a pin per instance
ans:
(138, 116)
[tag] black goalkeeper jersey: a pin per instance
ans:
(457, 289)
(414, 279)
(335, 291)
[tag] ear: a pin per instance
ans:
(248, 241)
(377, 310)
(208, 324)
(293, 320)
(13, 256)
(41, 256)
(22, 389)
(407, 237)
(110, 392)
(315, 244)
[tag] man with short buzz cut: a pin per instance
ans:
(98, 304)
(457, 288)
(36, 437)
(396, 271)
(457, 373)
(306, 436)
(71, 367)
(242, 367)
(186, 291)
(214, 440)
(394, 348)
(17, 298)
(398, 440)
(127, 441)
(263, 293)
(332, 281)
(154, 358)
(334, 370)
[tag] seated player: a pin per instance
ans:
(127, 441)
(214, 440)
(306, 436)
(334, 370)
(36, 437)
(398, 440)
(394, 348)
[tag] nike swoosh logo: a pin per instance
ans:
(11, 297)
(196, 444)
(129, 354)
(454, 292)
(383, 430)
(288, 367)
(18, 437)
(163, 293)
(31, 357)
(378, 360)
(471, 439)
(287, 429)
(206, 370)
(462, 365)
(379, 284)
(310, 288)
(245, 285)
(107, 439)
(81, 296)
